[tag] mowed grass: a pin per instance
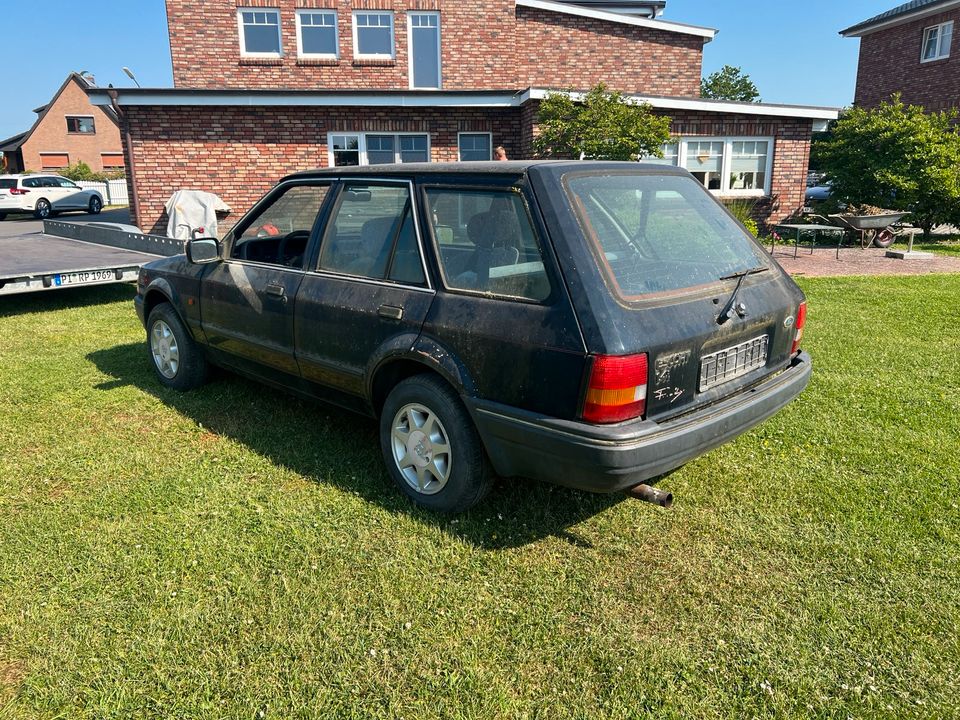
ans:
(236, 553)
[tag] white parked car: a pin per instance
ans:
(45, 196)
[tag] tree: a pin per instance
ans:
(729, 83)
(605, 125)
(896, 156)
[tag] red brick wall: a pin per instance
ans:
(239, 153)
(890, 62)
(565, 51)
(488, 45)
(51, 135)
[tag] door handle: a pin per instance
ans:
(391, 312)
(278, 292)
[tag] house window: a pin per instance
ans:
(54, 161)
(936, 42)
(424, 34)
(317, 34)
(373, 35)
(112, 160)
(475, 146)
(377, 148)
(80, 124)
(259, 32)
(726, 166)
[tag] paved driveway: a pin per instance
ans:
(857, 261)
(16, 225)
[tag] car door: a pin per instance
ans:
(50, 188)
(368, 290)
(71, 196)
(248, 299)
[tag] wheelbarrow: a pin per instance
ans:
(879, 230)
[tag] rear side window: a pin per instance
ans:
(372, 235)
(486, 243)
(7, 183)
(659, 234)
(31, 182)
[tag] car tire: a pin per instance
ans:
(176, 359)
(431, 448)
(42, 209)
(96, 205)
(884, 238)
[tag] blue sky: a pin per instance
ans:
(791, 49)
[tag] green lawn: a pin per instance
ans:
(235, 553)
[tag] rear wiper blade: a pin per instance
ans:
(728, 309)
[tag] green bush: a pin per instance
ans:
(742, 210)
(81, 171)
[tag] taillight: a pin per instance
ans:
(801, 321)
(18, 191)
(617, 389)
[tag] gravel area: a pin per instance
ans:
(856, 261)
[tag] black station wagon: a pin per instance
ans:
(591, 324)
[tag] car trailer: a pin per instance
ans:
(68, 255)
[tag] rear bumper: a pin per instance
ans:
(608, 458)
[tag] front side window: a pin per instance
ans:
(259, 32)
(372, 235)
(424, 34)
(373, 35)
(317, 34)
(279, 232)
(80, 124)
(659, 234)
(486, 243)
(377, 149)
(936, 42)
(474, 146)
(66, 184)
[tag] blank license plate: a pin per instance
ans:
(732, 362)
(84, 278)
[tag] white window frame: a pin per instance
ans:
(357, 55)
(336, 33)
(467, 132)
(410, 15)
(942, 53)
(242, 36)
(726, 161)
(362, 144)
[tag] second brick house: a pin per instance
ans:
(267, 87)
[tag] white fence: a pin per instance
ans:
(114, 191)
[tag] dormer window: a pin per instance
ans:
(373, 35)
(936, 42)
(259, 32)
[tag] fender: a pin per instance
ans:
(189, 310)
(426, 351)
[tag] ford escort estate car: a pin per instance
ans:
(591, 324)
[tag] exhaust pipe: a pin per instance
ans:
(650, 494)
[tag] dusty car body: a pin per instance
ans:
(590, 324)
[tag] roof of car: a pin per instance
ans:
(486, 167)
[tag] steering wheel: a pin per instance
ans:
(285, 241)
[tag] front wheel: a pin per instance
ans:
(96, 205)
(42, 209)
(431, 447)
(176, 359)
(884, 238)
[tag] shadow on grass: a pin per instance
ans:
(329, 445)
(62, 299)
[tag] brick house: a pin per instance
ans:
(909, 50)
(266, 87)
(67, 130)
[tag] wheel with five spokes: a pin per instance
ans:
(431, 447)
(176, 359)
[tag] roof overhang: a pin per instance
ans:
(13, 143)
(189, 97)
(704, 32)
(884, 22)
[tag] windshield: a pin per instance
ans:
(659, 234)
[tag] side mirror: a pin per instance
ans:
(202, 250)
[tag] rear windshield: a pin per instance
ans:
(7, 183)
(659, 234)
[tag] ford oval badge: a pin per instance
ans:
(788, 321)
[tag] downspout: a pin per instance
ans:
(125, 124)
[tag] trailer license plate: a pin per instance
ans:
(732, 362)
(83, 278)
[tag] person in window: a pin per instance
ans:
(499, 153)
